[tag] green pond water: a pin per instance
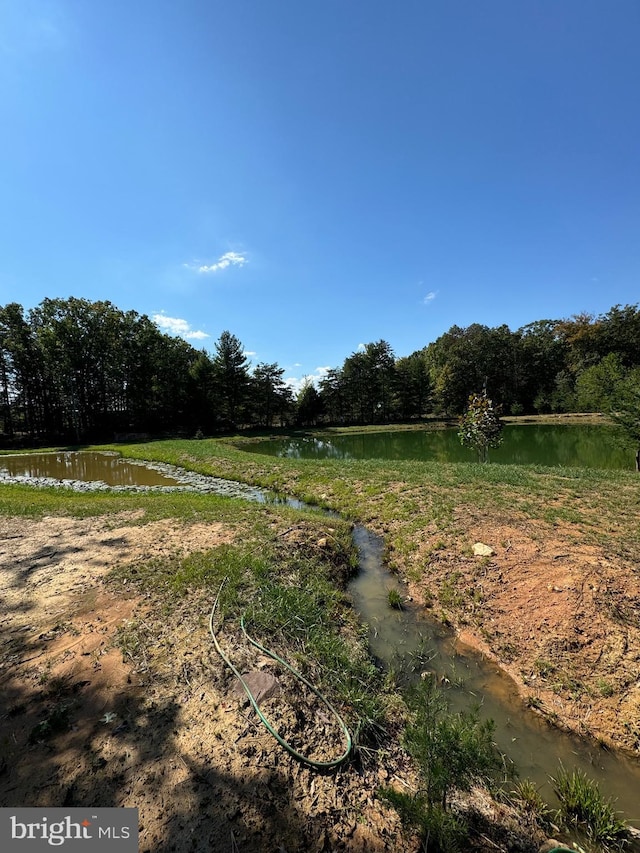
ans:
(527, 444)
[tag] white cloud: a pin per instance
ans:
(228, 259)
(178, 327)
(361, 348)
(297, 383)
(249, 352)
(430, 297)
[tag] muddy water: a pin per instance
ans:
(85, 466)
(409, 643)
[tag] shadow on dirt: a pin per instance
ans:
(61, 745)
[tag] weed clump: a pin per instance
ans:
(56, 721)
(396, 602)
(582, 805)
(531, 803)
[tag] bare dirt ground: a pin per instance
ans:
(560, 615)
(107, 702)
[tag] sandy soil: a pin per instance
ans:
(154, 721)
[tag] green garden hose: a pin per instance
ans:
(321, 765)
(562, 850)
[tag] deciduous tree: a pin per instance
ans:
(480, 426)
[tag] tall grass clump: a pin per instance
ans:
(582, 805)
(305, 618)
(452, 751)
(527, 796)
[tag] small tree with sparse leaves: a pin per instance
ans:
(480, 426)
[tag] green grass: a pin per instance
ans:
(529, 800)
(395, 599)
(582, 805)
(404, 494)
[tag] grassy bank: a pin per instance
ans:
(286, 569)
(400, 499)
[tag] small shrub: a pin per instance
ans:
(480, 426)
(441, 831)
(452, 751)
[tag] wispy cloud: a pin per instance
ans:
(229, 259)
(176, 326)
(297, 383)
(249, 352)
(430, 297)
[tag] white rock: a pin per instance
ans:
(482, 550)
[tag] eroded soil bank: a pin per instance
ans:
(559, 614)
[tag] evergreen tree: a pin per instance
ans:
(231, 380)
(308, 405)
(269, 394)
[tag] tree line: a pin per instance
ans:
(581, 364)
(76, 370)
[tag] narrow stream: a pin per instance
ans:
(407, 640)
(410, 642)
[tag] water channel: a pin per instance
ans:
(407, 640)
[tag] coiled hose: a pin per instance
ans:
(320, 765)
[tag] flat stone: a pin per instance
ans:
(262, 684)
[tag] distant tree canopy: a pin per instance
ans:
(71, 369)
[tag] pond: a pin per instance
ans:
(524, 444)
(108, 468)
(89, 470)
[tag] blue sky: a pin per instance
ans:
(312, 175)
